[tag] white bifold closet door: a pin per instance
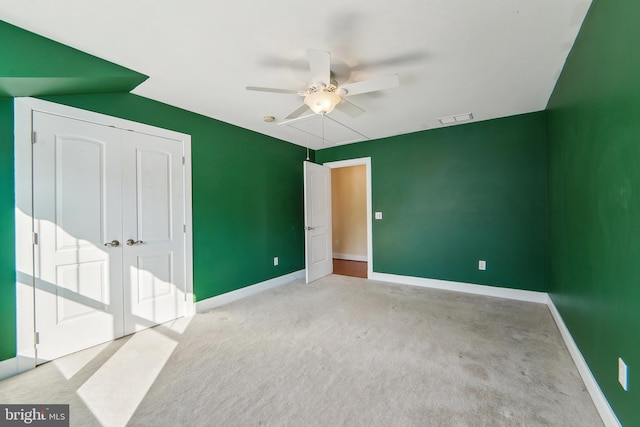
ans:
(108, 209)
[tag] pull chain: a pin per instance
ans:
(307, 144)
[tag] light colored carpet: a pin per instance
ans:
(339, 352)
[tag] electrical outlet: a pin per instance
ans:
(275, 260)
(378, 215)
(622, 373)
(482, 265)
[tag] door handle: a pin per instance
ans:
(113, 244)
(309, 228)
(132, 242)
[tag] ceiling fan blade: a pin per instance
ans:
(270, 89)
(349, 108)
(371, 85)
(301, 109)
(320, 66)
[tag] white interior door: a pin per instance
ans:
(76, 210)
(317, 215)
(153, 236)
(109, 216)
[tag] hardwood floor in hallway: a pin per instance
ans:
(350, 268)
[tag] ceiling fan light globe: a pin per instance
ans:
(322, 102)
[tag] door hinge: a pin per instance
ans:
(184, 228)
(34, 137)
(35, 238)
(183, 160)
(36, 337)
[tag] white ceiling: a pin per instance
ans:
(491, 58)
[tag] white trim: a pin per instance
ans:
(23, 111)
(8, 368)
(25, 104)
(220, 300)
(15, 366)
(190, 307)
(351, 257)
(25, 311)
(600, 401)
(469, 288)
(357, 162)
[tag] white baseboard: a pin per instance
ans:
(219, 300)
(602, 405)
(469, 288)
(350, 257)
(8, 368)
(16, 365)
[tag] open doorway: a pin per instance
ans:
(351, 223)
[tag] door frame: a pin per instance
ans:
(366, 161)
(25, 289)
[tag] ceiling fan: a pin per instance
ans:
(323, 94)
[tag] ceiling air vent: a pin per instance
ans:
(456, 119)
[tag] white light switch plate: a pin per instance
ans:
(378, 215)
(482, 265)
(622, 373)
(275, 261)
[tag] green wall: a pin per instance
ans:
(594, 181)
(247, 187)
(456, 195)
